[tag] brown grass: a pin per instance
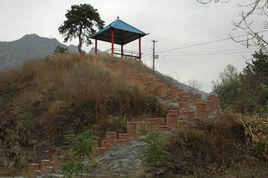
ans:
(44, 100)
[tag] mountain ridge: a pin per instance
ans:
(27, 48)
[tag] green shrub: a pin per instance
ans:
(77, 152)
(155, 154)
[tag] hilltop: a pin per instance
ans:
(44, 100)
(29, 47)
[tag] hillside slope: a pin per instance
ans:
(43, 101)
(28, 48)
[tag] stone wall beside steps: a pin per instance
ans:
(174, 119)
(114, 138)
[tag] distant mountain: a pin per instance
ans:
(28, 48)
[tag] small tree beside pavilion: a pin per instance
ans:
(80, 23)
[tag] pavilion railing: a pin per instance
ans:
(126, 53)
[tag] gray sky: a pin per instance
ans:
(174, 23)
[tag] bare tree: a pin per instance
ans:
(251, 12)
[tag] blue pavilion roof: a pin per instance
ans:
(124, 33)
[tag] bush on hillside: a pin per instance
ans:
(76, 153)
(154, 155)
(215, 148)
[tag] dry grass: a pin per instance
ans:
(44, 100)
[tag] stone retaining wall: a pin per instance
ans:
(113, 138)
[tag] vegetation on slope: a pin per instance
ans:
(69, 94)
(43, 101)
(245, 92)
(230, 146)
(235, 144)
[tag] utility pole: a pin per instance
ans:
(154, 56)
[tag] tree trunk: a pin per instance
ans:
(80, 46)
(80, 40)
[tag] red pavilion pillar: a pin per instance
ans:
(140, 48)
(122, 50)
(96, 46)
(112, 41)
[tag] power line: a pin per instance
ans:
(214, 51)
(204, 43)
(211, 54)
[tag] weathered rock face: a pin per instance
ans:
(121, 160)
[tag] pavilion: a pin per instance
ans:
(121, 33)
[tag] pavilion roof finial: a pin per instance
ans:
(118, 18)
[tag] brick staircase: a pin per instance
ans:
(190, 105)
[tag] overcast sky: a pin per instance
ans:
(174, 23)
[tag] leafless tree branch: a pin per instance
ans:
(250, 10)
